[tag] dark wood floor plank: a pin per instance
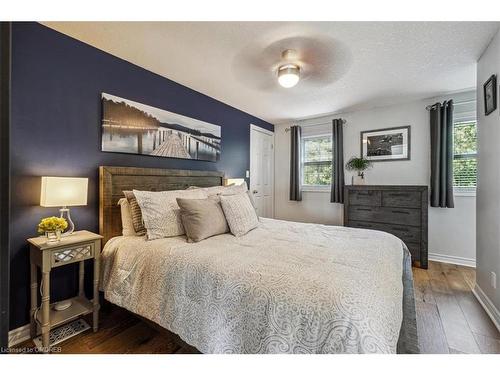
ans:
(126, 341)
(455, 325)
(432, 339)
(469, 275)
(487, 344)
(454, 351)
(422, 286)
(478, 320)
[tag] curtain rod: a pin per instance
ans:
(454, 103)
(318, 124)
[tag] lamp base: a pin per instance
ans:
(71, 226)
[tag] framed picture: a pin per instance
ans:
(490, 95)
(135, 128)
(386, 144)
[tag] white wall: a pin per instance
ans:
(488, 199)
(451, 231)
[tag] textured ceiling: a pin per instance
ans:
(346, 65)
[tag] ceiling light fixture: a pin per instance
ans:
(288, 74)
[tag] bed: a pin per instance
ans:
(284, 287)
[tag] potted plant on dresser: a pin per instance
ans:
(359, 165)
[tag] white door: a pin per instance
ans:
(262, 170)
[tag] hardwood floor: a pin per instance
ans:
(449, 319)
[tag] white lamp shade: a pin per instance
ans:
(236, 181)
(64, 191)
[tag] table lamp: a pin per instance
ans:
(236, 181)
(64, 192)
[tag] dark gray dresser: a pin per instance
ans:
(397, 209)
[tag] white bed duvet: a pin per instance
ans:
(284, 287)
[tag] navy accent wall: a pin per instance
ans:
(56, 111)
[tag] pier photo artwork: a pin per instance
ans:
(136, 128)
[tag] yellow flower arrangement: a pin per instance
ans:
(52, 224)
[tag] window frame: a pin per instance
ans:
(465, 191)
(313, 188)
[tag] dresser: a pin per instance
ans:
(397, 209)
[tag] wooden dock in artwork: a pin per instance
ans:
(176, 144)
(171, 146)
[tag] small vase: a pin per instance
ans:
(358, 180)
(53, 236)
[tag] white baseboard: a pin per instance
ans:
(452, 260)
(488, 306)
(18, 335)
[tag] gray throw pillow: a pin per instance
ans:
(202, 218)
(239, 212)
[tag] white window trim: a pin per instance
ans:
(464, 191)
(313, 188)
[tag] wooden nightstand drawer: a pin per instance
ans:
(67, 255)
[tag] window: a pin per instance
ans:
(317, 161)
(465, 156)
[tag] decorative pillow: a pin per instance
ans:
(219, 189)
(239, 212)
(136, 213)
(127, 225)
(250, 196)
(202, 218)
(161, 213)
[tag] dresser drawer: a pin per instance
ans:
(405, 233)
(401, 199)
(403, 216)
(366, 198)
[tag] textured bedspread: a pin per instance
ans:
(284, 287)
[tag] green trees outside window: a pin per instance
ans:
(465, 154)
(317, 161)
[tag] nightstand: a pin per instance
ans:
(77, 247)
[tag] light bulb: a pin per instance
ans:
(288, 75)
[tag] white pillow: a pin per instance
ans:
(239, 212)
(127, 224)
(161, 213)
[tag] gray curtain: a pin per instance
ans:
(295, 159)
(441, 118)
(337, 192)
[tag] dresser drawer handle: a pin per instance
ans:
(400, 212)
(399, 194)
(365, 192)
(364, 209)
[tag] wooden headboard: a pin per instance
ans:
(114, 180)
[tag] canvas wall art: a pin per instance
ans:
(386, 144)
(136, 128)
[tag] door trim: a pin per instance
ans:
(5, 105)
(262, 130)
(270, 133)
